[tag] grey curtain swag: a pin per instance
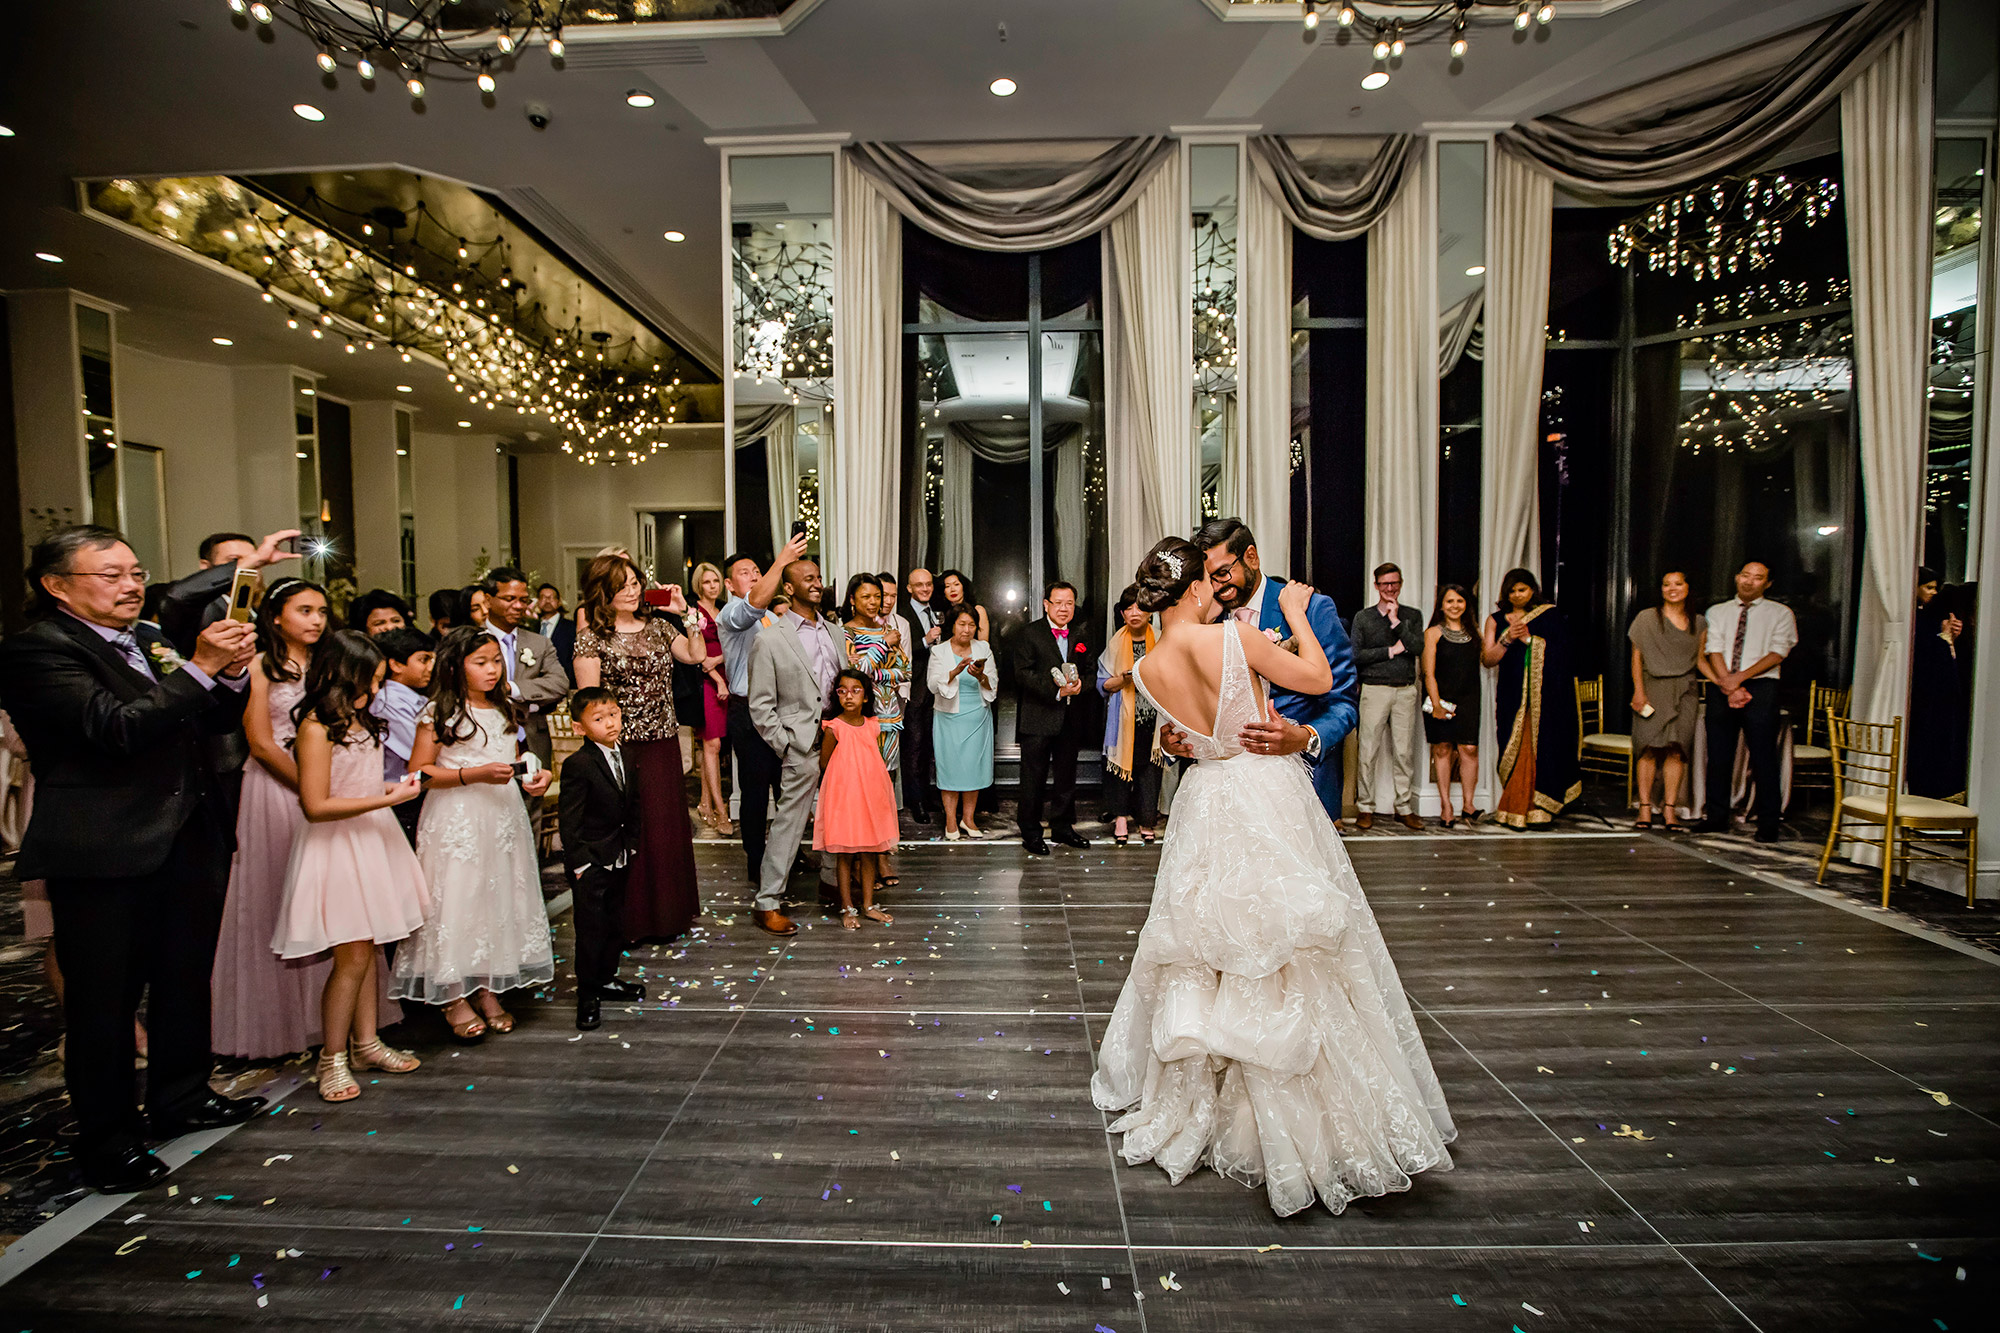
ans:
(1333, 212)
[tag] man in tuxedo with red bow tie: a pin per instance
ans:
(1049, 718)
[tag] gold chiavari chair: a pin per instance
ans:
(1607, 753)
(1812, 763)
(1867, 781)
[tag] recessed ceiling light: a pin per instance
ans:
(307, 111)
(465, 423)
(1475, 270)
(640, 98)
(676, 236)
(48, 258)
(1002, 87)
(1377, 79)
(403, 388)
(6, 131)
(223, 342)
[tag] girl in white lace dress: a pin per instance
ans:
(1263, 1031)
(488, 930)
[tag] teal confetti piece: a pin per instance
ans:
(235, 1259)
(1828, 1154)
(1932, 1257)
(475, 1228)
(406, 1221)
(458, 1304)
(197, 1272)
(834, 1031)
(468, 1087)
(754, 1202)
(1048, 1207)
(1457, 1299)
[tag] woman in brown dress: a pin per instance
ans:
(620, 646)
(1667, 670)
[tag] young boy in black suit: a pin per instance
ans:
(594, 810)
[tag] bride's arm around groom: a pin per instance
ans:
(1315, 725)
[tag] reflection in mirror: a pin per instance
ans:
(1949, 534)
(1212, 199)
(781, 230)
(1461, 280)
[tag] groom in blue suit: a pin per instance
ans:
(1315, 725)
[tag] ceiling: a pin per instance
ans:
(110, 87)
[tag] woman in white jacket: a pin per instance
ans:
(962, 721)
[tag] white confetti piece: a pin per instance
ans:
(1063, 1287)
(895, 1156)
(263, 1301)
(1543, 1069)
(1911, 1179)
(1107, 1283)
(1532, 1310)
(281, 1157)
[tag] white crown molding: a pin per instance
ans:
(828, 139)
(596, 34)
(1195, 131)
(1239, 11)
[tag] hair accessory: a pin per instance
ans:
(1172, 562)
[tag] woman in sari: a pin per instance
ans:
(1538, 766)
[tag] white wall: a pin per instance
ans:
(579, 505)
(186, 409)
(456, 507)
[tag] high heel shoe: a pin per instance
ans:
(336, 1084)
(376, 1055)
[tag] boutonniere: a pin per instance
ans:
(1081, 648)
(1286, 645)
(165, 660)
(527, 657)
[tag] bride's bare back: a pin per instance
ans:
(1183, 673)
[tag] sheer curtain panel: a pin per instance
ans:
(860, 466)
(1263, 487)
(1400, 507)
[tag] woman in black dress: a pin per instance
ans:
(1451, 680)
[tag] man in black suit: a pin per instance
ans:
(919, 784)
(596, 812)
(1048, 719)
(133, 837)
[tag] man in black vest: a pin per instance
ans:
(132, 834)
(1049, 718)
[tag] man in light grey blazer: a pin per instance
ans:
(534, 676)
(792, 665)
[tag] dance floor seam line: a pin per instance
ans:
(1584, 1162)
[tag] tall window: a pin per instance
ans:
(1330, 416)
(1956, 393)
(1461, 284)
(1212, 201)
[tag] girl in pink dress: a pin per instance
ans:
(353, 884)
(857, 801)
(263, 1007)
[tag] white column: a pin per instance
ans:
(266, 435)
(378, 525)
(48, 392)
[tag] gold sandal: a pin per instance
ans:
(376, 1055)
(336, 1084)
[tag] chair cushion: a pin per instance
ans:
(1909, 809)
(1608, 740)
(1810, 752)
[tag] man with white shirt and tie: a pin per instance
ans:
(534, 675)
(921, 630)
(1749, 638)
(597, 813)
(1049, 718)
(132, 833)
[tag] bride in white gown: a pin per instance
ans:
(1262, 1031)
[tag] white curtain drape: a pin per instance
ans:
(1517, 311)
(781, 465)
(1262, 486)
(955, 518)
(1070, 537)
(861, 466)
(1151, 464)
(1885, 125)
(1400, 501)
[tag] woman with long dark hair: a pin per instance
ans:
(1131, 774)
(1451, 684)
(955, 590)
(1668, 666)
(623, 647)
(1537, 770)
(263, 1006)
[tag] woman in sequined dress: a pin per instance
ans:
(621, 647)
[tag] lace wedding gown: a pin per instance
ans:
(1263, 1030)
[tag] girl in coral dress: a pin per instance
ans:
(353, 883)
(857, 802)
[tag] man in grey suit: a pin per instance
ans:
(534, 676)
(792, 665)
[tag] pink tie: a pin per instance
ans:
(1247, 615)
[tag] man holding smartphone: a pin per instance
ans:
(534, 675)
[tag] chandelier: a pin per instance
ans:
(609, 400)
(1215, 349)
(411, 40)
(1762, 381)
(1389, 26)
(784, 314)
(1716, 230)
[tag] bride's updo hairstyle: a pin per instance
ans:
(1166, 574)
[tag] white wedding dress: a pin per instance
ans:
(1263, 1030)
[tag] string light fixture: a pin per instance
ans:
(1215, 348)
(1714, 231)
(784, 314)
(610, 401)
(1389, 26)
(415, 40)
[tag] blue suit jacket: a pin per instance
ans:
(1332, 714)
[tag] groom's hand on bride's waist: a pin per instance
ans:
(1275, 734)
(1174, 743)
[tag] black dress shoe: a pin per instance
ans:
(1069, 837)
(1767, 835)
(1035, 846)
(615, 989)
(124, 1173)
(587, 1016)
(211, 1112)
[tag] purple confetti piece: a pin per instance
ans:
(257, 1281)
(1013, 1189)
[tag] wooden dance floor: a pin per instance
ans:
(1687, 1097)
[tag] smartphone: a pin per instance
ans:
(521, 767)
(243, 595)
(660, 597)
(798, 527)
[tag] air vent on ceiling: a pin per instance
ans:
(633, 54)
(779, 209)
(594, 259)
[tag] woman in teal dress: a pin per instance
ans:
(963, 681)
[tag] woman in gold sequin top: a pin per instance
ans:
(623, 647)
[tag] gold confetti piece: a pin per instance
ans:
(1635, 1022)
(1627, 1132)
(895, 1156)
(1923, 1025)
(1266, 1249)
(1543, 1069)
(281, 1157)
(1938, 1097)
(777, 1156)
(1886, 1161)
(513, 1170)
(129, 1246)
(1577, 1139)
